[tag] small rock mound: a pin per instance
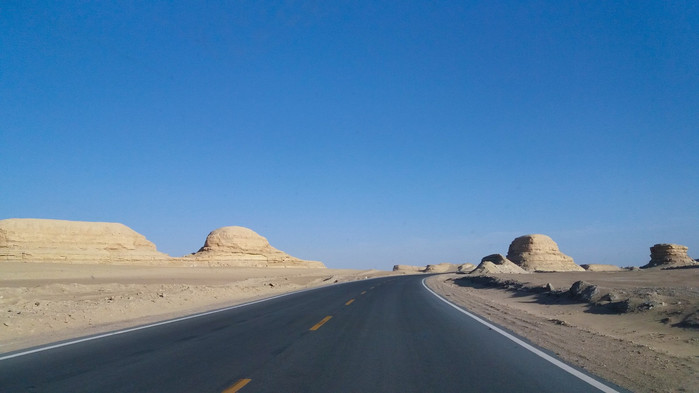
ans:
(239, 246)
(593, 267)
(585, 291)
(506, 267)
(408, 268)
(43, 240)
(539, 253)
(669, 255)
(497, 259)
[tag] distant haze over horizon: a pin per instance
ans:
(360, 134)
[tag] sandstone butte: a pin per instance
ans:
(539, 253)
(669, 255)
(239, 246)
(41, 240)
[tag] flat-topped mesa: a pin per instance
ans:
(42, 240)
(239, 246)
(669, 255)
(539, 253)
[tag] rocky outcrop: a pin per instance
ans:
(408, 268)
(441, 268)
(465, 268)
(497, 259)
(41, 240)
(593, 267)
(669, 255)
(487, 267)
(497, 264)
(238, 246)
(539, 253)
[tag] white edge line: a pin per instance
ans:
(545, 356)
(133, 329)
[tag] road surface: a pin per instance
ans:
(382, 335)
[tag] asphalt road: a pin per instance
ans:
(382, 335)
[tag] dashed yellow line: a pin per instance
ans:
(321, 323)
(349, 302)
(237, 386)
(363, 292)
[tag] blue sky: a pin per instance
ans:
(361, 134)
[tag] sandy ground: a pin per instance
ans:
(642, 349)
(48, 302)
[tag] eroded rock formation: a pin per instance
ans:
(441, 268)
(539, 253)
(594, 267)
(497, 264)
(239, 246)
(466, 268)
(41, 240)
(669, 255)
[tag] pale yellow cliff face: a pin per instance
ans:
(35, 240)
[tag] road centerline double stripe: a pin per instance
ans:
(321, 323)
(237, 386)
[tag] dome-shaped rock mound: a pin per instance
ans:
(239, 246)
(539, 253)
(41, 240)
(669, 255)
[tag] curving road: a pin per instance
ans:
(382, 335)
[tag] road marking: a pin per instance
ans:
(371, 288)
(349, 302)
(321, 323)
(237, 386)
(545, 356)
(363, 292)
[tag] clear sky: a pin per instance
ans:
(361, 134)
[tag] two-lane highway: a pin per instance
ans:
(383, 335)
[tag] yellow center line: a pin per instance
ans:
(363, 292)
(349, 302)
(321, 323)
(237, 386)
